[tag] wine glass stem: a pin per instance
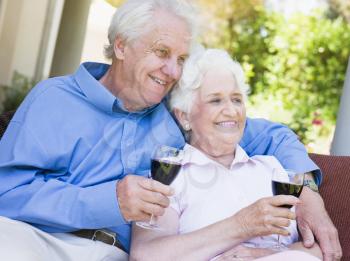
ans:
(279, 241)
(151, 221)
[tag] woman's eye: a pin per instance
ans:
(237, 100)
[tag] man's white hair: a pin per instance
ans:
(201, 61)
(134, 19)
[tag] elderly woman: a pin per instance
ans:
(223, 198)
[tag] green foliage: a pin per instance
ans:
(307, 68)
(300, 61)
(11, 96)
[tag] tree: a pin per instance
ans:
(340, 8)
(298, 63)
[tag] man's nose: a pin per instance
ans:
(172, 69)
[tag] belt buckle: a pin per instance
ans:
(104, 233)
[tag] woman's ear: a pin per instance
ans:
(119, 46)
(182, 118)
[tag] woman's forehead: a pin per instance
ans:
(219, 80)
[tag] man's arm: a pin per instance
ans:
(34, 190)
(314, 223)
(262, 137)
(268, 138)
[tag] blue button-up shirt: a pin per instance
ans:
(262, 137)
(71, 140)
(68, 144)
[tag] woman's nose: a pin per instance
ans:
(230, 108)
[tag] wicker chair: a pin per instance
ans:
(334, 190)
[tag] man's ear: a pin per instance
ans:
(182, 118)
(119, 46)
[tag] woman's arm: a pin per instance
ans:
(251, 253)
(263, 217)
(167, 244)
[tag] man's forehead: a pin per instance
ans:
(165, 40)
(171, 32)
(168, 40)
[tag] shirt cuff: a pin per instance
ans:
(303, 164)
(103, 205)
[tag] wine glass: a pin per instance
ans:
(165, 165)
(287, 182)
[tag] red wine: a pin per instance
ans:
(281, 188)
(164, 171)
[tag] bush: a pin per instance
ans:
(11, 96)
(299, 63)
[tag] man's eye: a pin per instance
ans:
(181, 60)
(215, 101)
(161, 53)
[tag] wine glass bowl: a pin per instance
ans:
(165, 165)
(286, 182)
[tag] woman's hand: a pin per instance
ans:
(265, 217)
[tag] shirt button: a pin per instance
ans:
(129, 143)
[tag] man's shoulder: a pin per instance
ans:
(255, 127)
(259, 126)
(52, 86)
(259, 123)
(260, 131)
(48, 97)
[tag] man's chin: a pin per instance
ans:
(154, 101)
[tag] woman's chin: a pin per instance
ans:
(230, 140)
(226, 146)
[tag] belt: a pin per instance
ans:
(102, 235)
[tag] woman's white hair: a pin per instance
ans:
(134, 19)
(201, 61)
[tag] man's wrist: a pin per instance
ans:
(309, 181)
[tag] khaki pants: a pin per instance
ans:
(20, 241)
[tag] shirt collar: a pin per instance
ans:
(240, 157)
(118, 107)
(87, 77)
(194, 156)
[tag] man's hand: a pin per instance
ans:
(314, 222)
(139, 197)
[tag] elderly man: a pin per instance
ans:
(74, 158)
